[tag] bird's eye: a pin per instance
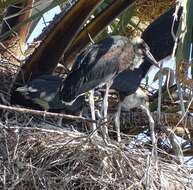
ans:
(140, 51)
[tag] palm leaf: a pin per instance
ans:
(46, 56)
(95, 27)
(37, 15)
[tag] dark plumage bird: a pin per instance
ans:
(38, 93)
(42, 91)
(100, 63)
(161, 46)
(127, 82)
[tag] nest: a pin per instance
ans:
(45, 159)
(147, 11)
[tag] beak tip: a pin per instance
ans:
(157, 65)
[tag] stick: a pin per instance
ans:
(43, 113)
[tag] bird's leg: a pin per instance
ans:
(105, 100)
(59, 122)
(175, 143)
(105, 109)
(45, 112)
(152, 129)
(117, 122)
(92, 109)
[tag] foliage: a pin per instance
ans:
(5, 3)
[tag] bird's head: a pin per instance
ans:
(142, 50)
(27, 91)
(23, 91)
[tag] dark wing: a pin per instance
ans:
(100, 64)
(158, 35)
(83, 57)
(128, 81)
(49, 78)
(44, 87)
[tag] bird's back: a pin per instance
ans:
(45, 86)
(96, 65)
(158, 34)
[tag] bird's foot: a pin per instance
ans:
(44, 116)
(105, 133)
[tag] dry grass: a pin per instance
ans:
(50, 159)
(147, 11)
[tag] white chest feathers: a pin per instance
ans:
(134, 100)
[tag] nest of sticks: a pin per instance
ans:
(33, 158)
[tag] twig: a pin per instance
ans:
(147, 174)
(169, 77)
(43, 113)
(160, 91)
(184, 115)
(175, 37)
(11, 53)
(175, 143)
(181, 97)
(92, 41)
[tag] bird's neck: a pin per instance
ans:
(145, 66)
(137, 61)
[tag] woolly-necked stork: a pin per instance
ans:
(161, 45)
(99, 64)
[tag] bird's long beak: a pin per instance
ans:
(151, 58)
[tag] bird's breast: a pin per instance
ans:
(126, 58)
(112, 53)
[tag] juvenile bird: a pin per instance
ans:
(43, 91)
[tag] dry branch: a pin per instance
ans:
(138, 118)
(44, 113)
(45, 58)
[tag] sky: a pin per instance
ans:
(47, 17)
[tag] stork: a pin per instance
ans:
(127, 84)
(99, 64)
